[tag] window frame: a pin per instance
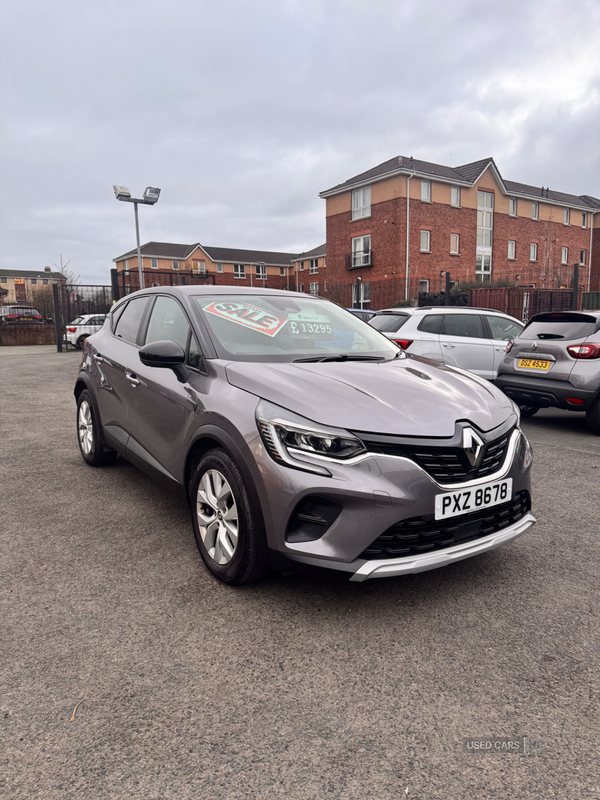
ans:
(261, 272)
(584, 219)
(311, 288)
(533, 251)
(154, 263)
(240, 269)
(356, 251)
(313, 266)
(456, 250)
(535, 210)
(176, 261)
(421, 248)
(566, 216)
(425, 191)
(513, 256)
(455, 196)
(426, 281)
(361, 204)
(513, 206)
(564, 255)
(219, 266)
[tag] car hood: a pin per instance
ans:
(408, 396)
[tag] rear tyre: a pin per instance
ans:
(81, 341)
(528, 411)
(592, 417)
(228, 529)
(89, 434)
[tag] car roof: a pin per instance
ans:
(450, 309)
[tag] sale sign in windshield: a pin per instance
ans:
(249, 316)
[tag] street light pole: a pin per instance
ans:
(151, 195)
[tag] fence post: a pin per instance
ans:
(447, 298)
(57, 319)
(575, 301)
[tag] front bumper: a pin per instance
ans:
(441, 558)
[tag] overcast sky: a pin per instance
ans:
(242, 112)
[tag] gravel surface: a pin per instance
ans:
(296, 687)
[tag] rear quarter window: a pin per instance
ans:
(388, 323)
(432, 323)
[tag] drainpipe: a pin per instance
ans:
(408, 177)
(590, 250)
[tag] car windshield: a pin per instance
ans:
(76, 321)
(388, 323)
(278, 327)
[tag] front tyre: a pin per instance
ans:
(228, 530)
(592, 416)
(89, 434)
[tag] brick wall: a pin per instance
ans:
(22, 334)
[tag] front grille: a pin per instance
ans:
(418, 535)
(445, 464)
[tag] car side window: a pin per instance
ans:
(96, 321)
(168, 323)
(431, 323)
(194, 358)
(128, 323)
(468, 325)
(504, 329)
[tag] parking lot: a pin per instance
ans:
(127, 671)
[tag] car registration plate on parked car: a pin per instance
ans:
(533, 363)
(453, 504)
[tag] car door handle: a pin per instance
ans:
(501, 349)
(449, 345)
(132, 379)
(98, 359)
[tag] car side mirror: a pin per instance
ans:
(166, 355)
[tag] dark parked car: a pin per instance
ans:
(18, 313)
(292, 452)
(555, 362)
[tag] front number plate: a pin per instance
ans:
(453, 504)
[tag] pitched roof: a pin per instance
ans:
(464, 174)
(30, 273)
(231, 255)
(161, 250)
(314, 253)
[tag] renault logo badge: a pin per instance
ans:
(473, 446)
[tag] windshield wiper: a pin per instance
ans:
(339, 357)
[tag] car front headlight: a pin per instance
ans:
(288, 438)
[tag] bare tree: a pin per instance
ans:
(63, 269)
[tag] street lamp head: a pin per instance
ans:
(122, 192)
(151, 195)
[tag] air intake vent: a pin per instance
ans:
(311, 518)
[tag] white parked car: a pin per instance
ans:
(82, 327)
(471, 338)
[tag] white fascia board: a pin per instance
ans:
(496, 174)
(428, 176)
(550, 202)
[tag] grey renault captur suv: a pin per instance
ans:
(301, 436)
(555, 363)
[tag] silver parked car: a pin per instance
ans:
(470, 338)
(555, 362)
(300, 435)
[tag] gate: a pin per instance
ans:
(522, 303)
(72, 300)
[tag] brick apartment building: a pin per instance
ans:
(166, 263)
(25, 285)
(396, 229)
(309, 271)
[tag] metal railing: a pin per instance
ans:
(359, 259)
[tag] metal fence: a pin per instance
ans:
(71, 301)
(591, 301)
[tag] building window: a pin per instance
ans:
(533, 251)
(426, 191)
(313, 267)
(261, 271)
(424, 286)
(361, 202)
(361, 251)
(512, 249)
(301, 265)
(454, 243)
(455, 196)
(126, 264)
(45, 281)
(239, 271)
(301, 287)
(512, 206)
(363, 298)
(565, 256)
(154, 263)
(582, 257)
(425, 241)
(219, 267)
(2, 280)
(535, 211)
(175, 264)
(314, 288)
(566, 216)
(584, 219)
(324, 262)
(324, 286)
(199, 266)
(33, 281)
(282, 272)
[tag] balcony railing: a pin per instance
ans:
(359, 259)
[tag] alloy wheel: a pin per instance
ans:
(217, 516)
(85, 427)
